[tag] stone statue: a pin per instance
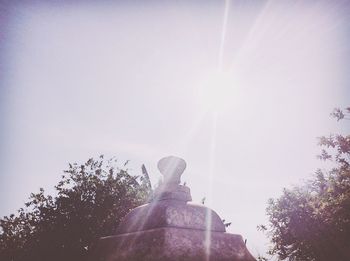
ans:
(171, 228)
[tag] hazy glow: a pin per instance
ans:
(218, 92)
(238, 89)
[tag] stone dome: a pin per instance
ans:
(171, 213)
(170, 206)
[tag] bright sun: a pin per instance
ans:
(217, 92)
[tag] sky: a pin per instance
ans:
(239, 89)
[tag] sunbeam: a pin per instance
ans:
(239, 63)
(223, 34)
(213, 98)
(211, 180)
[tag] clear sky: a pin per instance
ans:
(239, 89)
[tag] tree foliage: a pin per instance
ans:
(90, 201)
(312, 222)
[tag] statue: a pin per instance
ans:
(171, 228)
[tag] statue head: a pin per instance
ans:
(171, 168)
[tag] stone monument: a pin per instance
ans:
(171, 228)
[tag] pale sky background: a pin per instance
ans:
(126, 79)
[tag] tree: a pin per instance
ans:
(91, 200)
(311, 222)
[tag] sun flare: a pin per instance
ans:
(217, 92)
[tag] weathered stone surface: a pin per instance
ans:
(172, 191)
(170, 228)
(171, 213)
(173, 244)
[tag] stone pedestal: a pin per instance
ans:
(170, 228)
(173, 244)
